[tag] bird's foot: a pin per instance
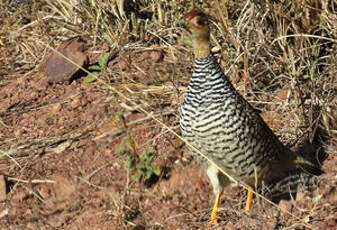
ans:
(249, 200)
(214, 218)
(215, 210)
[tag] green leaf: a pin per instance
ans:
(142, 156)
(90, 77)
(140, 165)
(120, 150)
(150, 159)
(103, 60)
(149, 150)
(222, 30)
(148, 167)
(126, 169)
(136, 176)
(188, 42)
(95, 67)
(128, 146)
(148, 174)
(156, 171)
(306, 76)
(130, 162)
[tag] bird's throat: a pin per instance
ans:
(201, 47)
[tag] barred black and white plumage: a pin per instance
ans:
(219, 122)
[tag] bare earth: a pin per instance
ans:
(65, 147)
(67, 174)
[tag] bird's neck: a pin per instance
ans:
(208, 75)
(202, 48)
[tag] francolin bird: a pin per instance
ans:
(220, 123)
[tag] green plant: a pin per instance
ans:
(144, 168)
(139, 165)
(97, 68)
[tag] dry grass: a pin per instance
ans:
(280, 55)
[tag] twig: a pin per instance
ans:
(306, 36)
(7, 126)
(34, 181)
(8, 154)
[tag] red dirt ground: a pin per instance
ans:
(66, 174)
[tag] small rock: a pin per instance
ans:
(75, 103)
(216, 49)
(59, 69)
(108, 152)
(84, 101)
(33, 94)
(55, 108)
(3, 213)
(157, 56)
(3, 188)
(199, 184)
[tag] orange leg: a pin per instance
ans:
(214, 215)
(249, 199)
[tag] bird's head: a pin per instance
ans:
(196, 23)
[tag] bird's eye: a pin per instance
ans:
(202, 21)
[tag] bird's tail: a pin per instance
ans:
(308, 160)
(288, 186)
(306, 165)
